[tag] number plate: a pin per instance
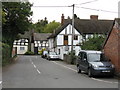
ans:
(105, 71)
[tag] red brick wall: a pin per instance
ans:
(112, 48)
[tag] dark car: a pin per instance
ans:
(94, 63)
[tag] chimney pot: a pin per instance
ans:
(62, 19)
(94, 17)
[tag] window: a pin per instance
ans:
(65, 40)
(65, 37)
(22, 48)
(84, 56)
(75, 37)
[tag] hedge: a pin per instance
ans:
(5, 54)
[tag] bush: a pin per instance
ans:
(93, 43)
(5, 54)
(71, 57)
(29, 53)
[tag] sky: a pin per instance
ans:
(56, 12)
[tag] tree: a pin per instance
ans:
(94, 43)
(51, 27)
(3, 17)
(17, 20)
(40, 25)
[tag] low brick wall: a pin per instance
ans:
(68, 59)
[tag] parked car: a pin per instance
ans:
(94, 63)
(44, 54)
(52, 55)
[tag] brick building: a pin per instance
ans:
(112, 45)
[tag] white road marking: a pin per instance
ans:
(0, 82)
(34, 66)
(103, 80)
(38, 71)
(64, 66)
(76, 71)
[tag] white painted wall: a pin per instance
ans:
(63, 51)
(60, 42)
(21, 51)
(60, 39)
(50, 43)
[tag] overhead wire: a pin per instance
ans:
(97, 9)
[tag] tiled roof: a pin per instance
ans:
(41, 36)
(87, 26)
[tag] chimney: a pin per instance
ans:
(94, 17)
(62, 19)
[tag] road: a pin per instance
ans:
(36, 72)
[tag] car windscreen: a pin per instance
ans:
(92, 57)
(52, 53)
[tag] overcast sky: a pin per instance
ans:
(55, 13)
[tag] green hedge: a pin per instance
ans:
(70, 58)
(5, 54)
(29, 53)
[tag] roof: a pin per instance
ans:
(109, 32)
(87, 26)
(41, 36)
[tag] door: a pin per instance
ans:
(36, 50)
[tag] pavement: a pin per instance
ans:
(36, 72)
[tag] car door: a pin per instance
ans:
(81, 62)
(78, 58)
(84, 61)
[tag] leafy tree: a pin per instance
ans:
(94, 43)
(51, 27)
(3, 17)
(40, 25)
(17, 20)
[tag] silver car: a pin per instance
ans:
(52, 55)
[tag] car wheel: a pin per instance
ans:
(48, 58)
(89, 73)
(78, 69)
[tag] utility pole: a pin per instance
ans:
(72, 28)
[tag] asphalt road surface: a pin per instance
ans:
(36, 72)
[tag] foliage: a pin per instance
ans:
(3, 17)
(5, 56)
(94, 43)
(29, 53)
(16, 20)
(72, 56)
(51, 27)
(40, 25)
